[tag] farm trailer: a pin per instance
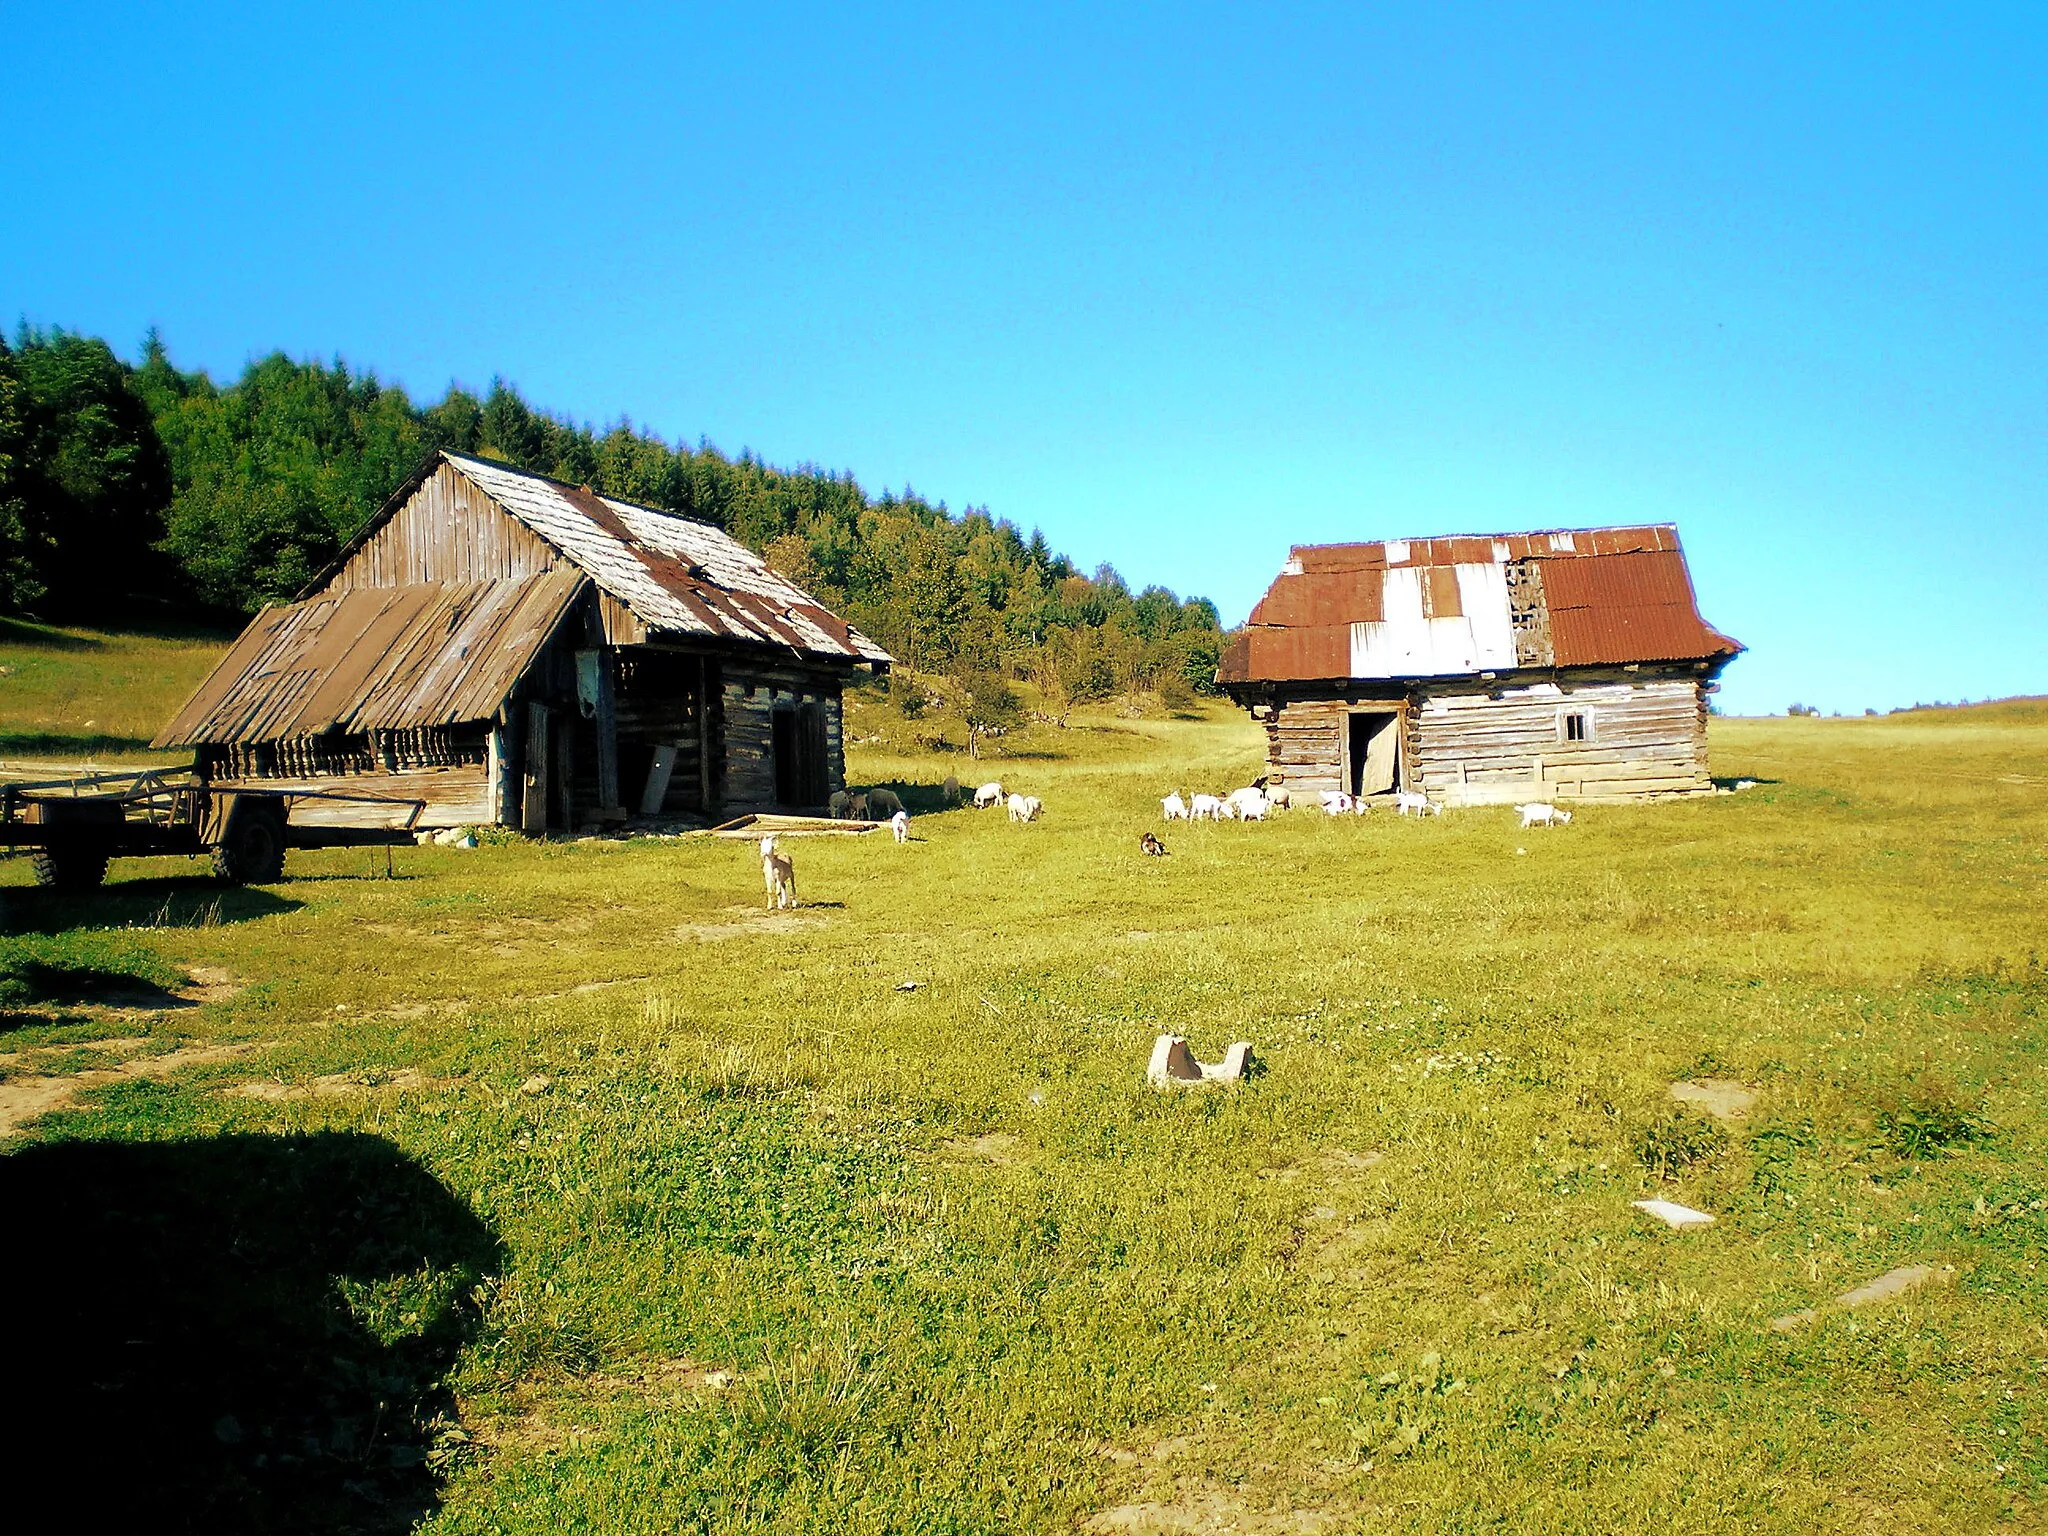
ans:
(71, 827)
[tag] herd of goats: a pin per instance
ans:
(1252, 803)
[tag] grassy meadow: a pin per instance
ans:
(557, 1187)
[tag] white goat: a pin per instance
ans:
(988, 795)
(1246, 804)
(1206, 808)
(778, 872)
(1406, 801)
(1173, 808)
(900, 825)
(1025, 808)
(1539, 813)
(1337, 803)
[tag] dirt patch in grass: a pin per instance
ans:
(998, 1147)
(1718, 1096)
(749, 922)
(1205, 1512)
(340, 1085)
(28, 1096)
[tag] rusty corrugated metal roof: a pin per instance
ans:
(1614, 608)
(1615, 596)
(377, 658)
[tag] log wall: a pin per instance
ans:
(748, 699)
(1460, 745)
(1642, 738)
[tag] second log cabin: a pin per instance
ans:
(1564, 665)
(513, 650)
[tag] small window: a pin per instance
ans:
(1577, 727)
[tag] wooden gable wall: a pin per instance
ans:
(448, 530)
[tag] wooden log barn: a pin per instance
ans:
(1570, 665)
(520, 652)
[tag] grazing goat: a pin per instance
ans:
(1337, 803)
(1025, 807)
(838, 806)
(1539, 813)
(1247, 804)
(988, 795)
(883, 804)
(1173, 808)
(778, 872)
(1205, 808)
(949, 792)
(1278, 796)
(1152, 846)
(900, 825)
(1406, 801)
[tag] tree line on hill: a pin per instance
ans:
(126, 482)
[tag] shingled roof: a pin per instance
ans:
(1449, 606)
(680, 578)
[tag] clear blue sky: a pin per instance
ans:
(1181, 286)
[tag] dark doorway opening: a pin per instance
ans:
(1373, 759)
(801, 772)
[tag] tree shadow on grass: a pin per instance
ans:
(68, 744)
(170, 901)
(240, 1333)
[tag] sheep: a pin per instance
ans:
(1173, 808)
(1205, 808)
(949, 792)
(900, 825)
(1024, 808)
(883, 804)
(1152, 847)
(1247, 804)
(988, 795)
(1337, 803)
(1406, 801)
(1539, 813)
(840, 803)
(778, 872)
(1278, 796)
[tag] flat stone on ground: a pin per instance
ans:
(1893, 1283)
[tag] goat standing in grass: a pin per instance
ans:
(778, 872)
(900, 825)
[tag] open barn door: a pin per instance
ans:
(1373, 757)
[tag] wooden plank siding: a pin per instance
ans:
(1643, 738)
(1461, 745)
(449, 530)
(456, 797)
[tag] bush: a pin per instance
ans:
(1677, 1142)
(1929, 1117)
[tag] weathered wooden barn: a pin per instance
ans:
(517, 651)
(1532, 666)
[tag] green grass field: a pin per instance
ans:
(559, 1188)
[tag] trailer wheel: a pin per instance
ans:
(70, 870)
(251, 852)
